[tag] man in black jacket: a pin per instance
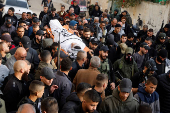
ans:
(11, 15)
(16, 88)
(78, 64)
(52, 15)
(63, 82)
(44, 12)
(116, 32)
(75, 98)
(89, 104)
(76, 7)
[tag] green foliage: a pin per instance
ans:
(133, 3)
(127, 3)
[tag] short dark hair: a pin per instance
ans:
(86, 30)
(0, 56)
(130, 35)
(49, 105)
(71, 7)
(150, 30)
(102, 22)
(35, 26)
(29, 13)
(44, 55)
(12, 9)
(34, 14)
(35, 86)
(145, 109)
(152, 80)
(66, 64)
(53, 9)
(82, 87)
(60, 19)
(91, 95)
(149, 39)
(21, 21)
(124, 35)
(100, 79)
(63, 6)
(54, 45)
(19, 27)
(4, 32)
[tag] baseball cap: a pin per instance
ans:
(62, 54)
(129, 50)
(94, 41)
(9, 21)
(26, 42)
(145, 45)
(162, 36)
(72, 23)
(47, 73)
(1, 6)
(6, 38)
(167, 26)
(125, 85)
(151, 64)
(72, 14)
(40, 32)
(35, 20)
(80, 27)
(104, 48)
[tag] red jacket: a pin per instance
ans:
(68, 14)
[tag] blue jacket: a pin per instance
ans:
(150, 99)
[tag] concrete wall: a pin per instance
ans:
(104, 4)
(152, 14)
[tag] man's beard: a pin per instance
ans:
(103, 58)
(25, 76)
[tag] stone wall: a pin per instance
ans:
(151, 14)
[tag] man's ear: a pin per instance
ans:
(41, 77)
(43, 111)
(70, 68)
(22, 70)
(118, 88)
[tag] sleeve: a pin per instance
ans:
(11, 97)
(157, 106)
(112, 77)
(35, 59)
(103, 108)
(136, 96)
(78, 10)
(136, 68)
(66, 90)
(75, 79)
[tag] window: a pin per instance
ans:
(17, 3)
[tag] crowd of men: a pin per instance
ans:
(120, 73)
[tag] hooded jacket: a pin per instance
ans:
(71, 102)
(113, 104)
(150, 99)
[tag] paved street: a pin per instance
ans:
(37, 8)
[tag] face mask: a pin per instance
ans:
(159, 60)
(128, 59)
